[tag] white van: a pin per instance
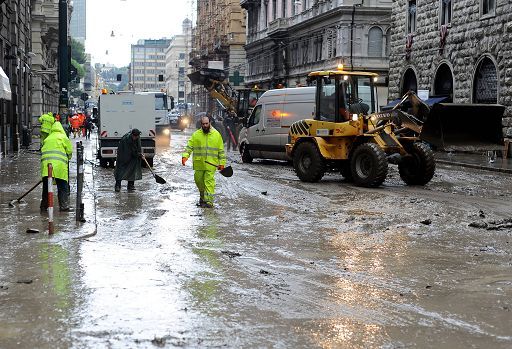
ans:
(266, 132)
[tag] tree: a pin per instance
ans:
(77, 51)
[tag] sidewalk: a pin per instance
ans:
(474, 160)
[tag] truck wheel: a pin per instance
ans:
(103, 163)
(369, 165)
(246, 157)
(419, 167)
(308, 163)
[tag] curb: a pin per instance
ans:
(478, 167)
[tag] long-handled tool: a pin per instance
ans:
(11, 204)
(226, 172)
(158, 179)
(232, 137)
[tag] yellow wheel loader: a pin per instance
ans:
(348, 135)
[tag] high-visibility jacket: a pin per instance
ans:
(46, 121)
(57, 150)
(205, 147)
(75, 121)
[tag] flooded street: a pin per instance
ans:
(277, 263)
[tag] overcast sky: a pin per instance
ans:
(130, 20)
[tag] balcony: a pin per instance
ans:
(278, 26)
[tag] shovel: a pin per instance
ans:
(11, 204)
(226, 172)
(158, 179)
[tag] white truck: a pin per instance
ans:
(119, 114)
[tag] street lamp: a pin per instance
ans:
(352, 34)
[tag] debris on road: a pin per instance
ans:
(426, 221)
(24, 281)
(231, 254)
(32, 231)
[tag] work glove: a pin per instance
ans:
(183, 161)
(221, 167)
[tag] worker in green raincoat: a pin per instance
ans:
(128, 166)
(57, 150)
(46, 121)
(207, 147)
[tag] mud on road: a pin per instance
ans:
(277, 263)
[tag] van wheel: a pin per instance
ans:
(103, 163)
(419, 167)
(369, 165)
(246, 157)
(345, 171)
(308, 163)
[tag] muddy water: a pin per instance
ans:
(278, 263)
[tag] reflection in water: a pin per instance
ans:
(56, 273)
(360, 293)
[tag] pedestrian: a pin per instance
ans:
(46, 121)
(75, 125)
(128, 166)
(57, 150)
(207, 147)
(88, 127)
(229, 124)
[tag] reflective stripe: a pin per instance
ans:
(54, 158)
(56, 152)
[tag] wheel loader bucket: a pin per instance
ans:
(464, 127)
(206, 75)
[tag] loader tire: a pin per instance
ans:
(369, 165)
(103, 163)
(308, 163)
(419, 168)
(246, 156)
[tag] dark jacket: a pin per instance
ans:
(128, 166)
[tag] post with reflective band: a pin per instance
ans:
(79, 211)
(50, 199)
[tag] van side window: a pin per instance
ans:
(255, 116)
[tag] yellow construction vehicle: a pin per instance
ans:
(349, 135)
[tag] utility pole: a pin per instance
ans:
(63, 60)
(352, 34)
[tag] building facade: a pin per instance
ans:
(15, 56)
(176, 82)
(219, 36)
(458, 49)
(45, 58)
(77, 25)
(287, 39)
(147, 67)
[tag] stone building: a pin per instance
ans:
(287, 39)
(15, 55)
(458, 49)
(219, 36)
(176, 56)
(148, 64)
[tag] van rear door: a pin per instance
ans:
(254, 127)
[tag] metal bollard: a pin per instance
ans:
(50, 199)
(79, 211)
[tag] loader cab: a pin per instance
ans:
(340, 95)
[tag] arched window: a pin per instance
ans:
(410, 83)
(443, 82)
(485, 84)
(375, 42)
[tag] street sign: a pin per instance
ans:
(84, 96)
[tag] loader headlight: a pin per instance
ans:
(355, 117)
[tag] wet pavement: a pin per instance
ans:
(276, 264)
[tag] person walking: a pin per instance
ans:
(46, 121)
(88, 127)
(229, 124)
(57, 150)
(128, 166)
(207, 147)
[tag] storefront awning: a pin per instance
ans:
(5, 87)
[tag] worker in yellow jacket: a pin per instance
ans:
(57, 150)
(46, 121)
(207, 147)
